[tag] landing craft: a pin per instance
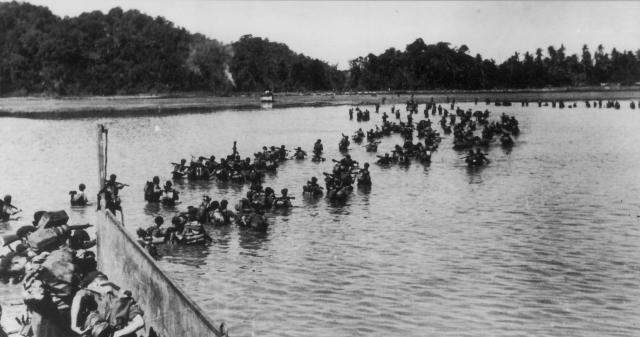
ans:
(266, 100)
(266, 97)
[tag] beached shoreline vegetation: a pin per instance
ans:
(128, 53)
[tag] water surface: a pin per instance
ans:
(542, 242)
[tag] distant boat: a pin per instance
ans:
(267, 97)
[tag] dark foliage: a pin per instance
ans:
(130, 52)
(422, 66)
(258, 64)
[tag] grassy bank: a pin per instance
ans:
(73, 107)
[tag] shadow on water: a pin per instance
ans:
(175, 208)
(228, 185)
(339, 207)
(404, 167)
(5, 226)
(152, 208)
(364, 191)
(181, 182)
(282, 211)
(190, 255)
(310, 200)
(335, 206)
(222, 185)
(236, 187)
(271, 174)
(474, 174)
(84, 211)
(195, 185)
(384, 166)
(252, 241)
(221, 235)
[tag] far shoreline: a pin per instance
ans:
(171, 104)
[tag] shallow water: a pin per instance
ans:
(542, 242)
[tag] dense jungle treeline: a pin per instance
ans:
(128, 52)
(439, 66)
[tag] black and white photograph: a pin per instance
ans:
(201, 168)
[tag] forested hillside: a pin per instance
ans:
(128, 52)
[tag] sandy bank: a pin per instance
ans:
(114, 106)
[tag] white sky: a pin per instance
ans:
(338, 31)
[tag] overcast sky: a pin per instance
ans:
(337, 31)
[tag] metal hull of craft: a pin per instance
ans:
(168, 310)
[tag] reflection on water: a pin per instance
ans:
(475, 174)
(190, 256)
(545, 241)
(252, 241)
(153, 208)
(221, 236)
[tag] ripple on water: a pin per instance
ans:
(539, 243)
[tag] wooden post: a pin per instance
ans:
(102, 175)
(102, 170)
